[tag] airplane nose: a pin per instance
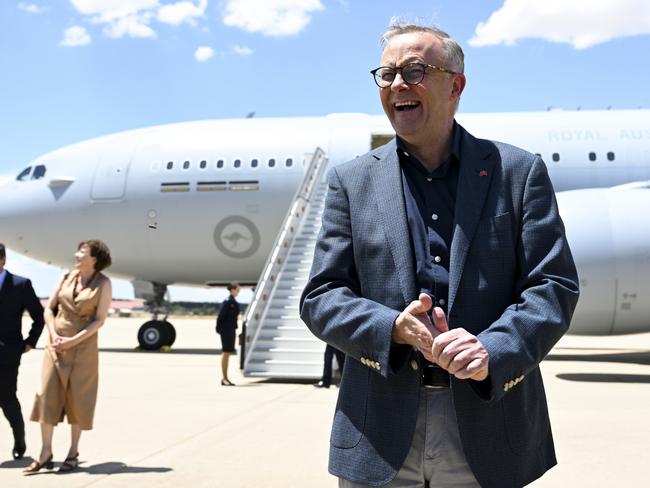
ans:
(6, 194)
(15, 210)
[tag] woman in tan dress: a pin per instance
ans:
(76, 310)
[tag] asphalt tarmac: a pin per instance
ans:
(164, 420)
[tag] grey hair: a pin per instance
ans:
(451, 50)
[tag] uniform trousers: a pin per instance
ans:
(436, 458)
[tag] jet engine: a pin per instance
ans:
(609, 233)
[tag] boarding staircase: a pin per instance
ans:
(276, 343)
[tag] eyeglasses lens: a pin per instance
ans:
(411, 73)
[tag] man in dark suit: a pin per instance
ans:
(443, 273)
(16, 296)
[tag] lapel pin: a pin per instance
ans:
(482, 173)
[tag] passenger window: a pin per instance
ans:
(24, 174)
(592, 156)
(39, 172)
(186, 165)
(170, 164)
(237, 163)
(253, 163)
(271, 163)
(203, 164)
(289, 162)
(610, 156)
(220, 164)
(556, 157)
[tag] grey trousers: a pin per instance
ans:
(436, 457)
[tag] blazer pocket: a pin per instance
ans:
(493, 224)
(350, 416)
(525, 414)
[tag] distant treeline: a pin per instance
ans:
(199, 308)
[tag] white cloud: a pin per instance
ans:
(75, 36)
(32, 8)
(203, 53)
(121, 17)
(109, 10)
(581, 24)
(179, 12)
(270, 17)
(242, 50)
(132, 26)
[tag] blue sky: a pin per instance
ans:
(71, 70)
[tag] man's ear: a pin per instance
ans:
(458, 85)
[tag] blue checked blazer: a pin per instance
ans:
(512, 283)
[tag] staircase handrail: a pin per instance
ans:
(283, 243)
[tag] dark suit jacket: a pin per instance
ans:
(16, 296)
(512, 282)
(227, 318)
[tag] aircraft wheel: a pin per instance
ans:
(172, 333)
(153, 335)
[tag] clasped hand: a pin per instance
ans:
(456, 350)
(61, 344)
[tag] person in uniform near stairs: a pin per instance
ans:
(328, 357)
(227, 329)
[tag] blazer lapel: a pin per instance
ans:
(389, 195)
(476, 168)
(8, 283)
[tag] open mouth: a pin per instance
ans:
(406, 106)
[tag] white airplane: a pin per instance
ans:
(202, 202)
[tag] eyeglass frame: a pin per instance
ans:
(399, 69)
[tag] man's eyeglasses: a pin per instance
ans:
(412, 73)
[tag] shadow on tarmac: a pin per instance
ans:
(207, 352)
(113, 467)
(616, 356)
(605, 377)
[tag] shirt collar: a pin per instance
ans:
(441, 171)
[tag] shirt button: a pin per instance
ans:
(441, 301)
(437, 259)
(429, 178)
(434, 217)
(414, 364)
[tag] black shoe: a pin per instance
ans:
(70, 464)
(19, 449)
(321, 384)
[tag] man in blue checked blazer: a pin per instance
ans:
(443, 272)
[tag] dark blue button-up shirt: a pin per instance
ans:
(430, 204)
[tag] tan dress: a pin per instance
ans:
(69, 379)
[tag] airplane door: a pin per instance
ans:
(109, 182)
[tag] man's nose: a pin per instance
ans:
(398, 83)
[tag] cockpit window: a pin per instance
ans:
(24, 174)
(39, 172)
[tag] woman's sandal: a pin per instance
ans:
(70, 464)
(36, 466)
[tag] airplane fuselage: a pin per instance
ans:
(202, 202)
